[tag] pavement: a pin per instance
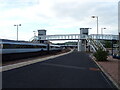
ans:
(73, 70)
(110, 69)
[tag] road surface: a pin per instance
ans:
(74, 70)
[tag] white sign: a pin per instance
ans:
(115, 45)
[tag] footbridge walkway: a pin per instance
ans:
(84, 41)
(75, 37)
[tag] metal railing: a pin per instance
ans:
(95, 44)
(76, 37)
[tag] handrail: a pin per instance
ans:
(102, 46)
(92, 44)
(95, 44)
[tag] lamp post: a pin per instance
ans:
(97, 23)
(102, 32)
(119, 25)
(17, 29)
(34, 33)
(119, 43)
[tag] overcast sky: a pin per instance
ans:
(56, 16)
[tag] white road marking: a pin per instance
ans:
(65, 66)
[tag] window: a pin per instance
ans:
(13, 46)
(5, 46)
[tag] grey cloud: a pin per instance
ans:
(74, 10)
(108, 13)
(79, 11)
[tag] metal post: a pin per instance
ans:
(78, 45)
(79, 42)
(119, 43)
(17, 32)
(34, 33)
(97, 25)
(102, 32)
(85, 45)
(112, 47)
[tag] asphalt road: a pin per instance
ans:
(74, 70)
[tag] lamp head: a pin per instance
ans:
(93, 16)
(19, 24)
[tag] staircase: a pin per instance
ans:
(34, 39)
(95, 44)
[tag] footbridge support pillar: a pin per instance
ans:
(82, 45)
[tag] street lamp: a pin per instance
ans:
(102, 32)
(34, 33)
(17, 29)
(97, 22)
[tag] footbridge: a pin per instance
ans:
(84, 41)
(75, 37)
